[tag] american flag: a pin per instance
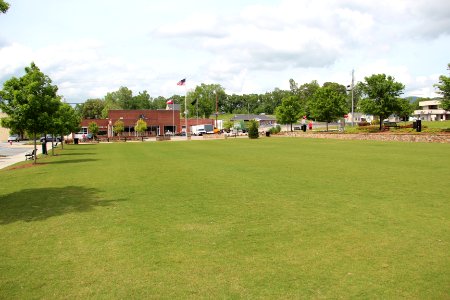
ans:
(182, 82)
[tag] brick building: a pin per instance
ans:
(159, 122)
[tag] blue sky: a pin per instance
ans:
(89, 48)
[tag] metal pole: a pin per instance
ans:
(353, 82)
(185, 112)
(217, 110)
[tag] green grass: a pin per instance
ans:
(236, 218)
(437, 124)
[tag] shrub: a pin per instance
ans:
(275, 130)
(253, 130)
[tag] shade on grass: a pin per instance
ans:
(268, 218)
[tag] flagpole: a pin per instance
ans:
(185, 111)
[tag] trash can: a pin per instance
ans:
(75, 141)
(44, 147)
(268, 133)
(414, 124)
(419, 125)
(304, 127)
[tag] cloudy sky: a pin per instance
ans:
(91, 47)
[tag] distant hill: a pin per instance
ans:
(412, 98)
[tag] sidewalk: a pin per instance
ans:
(6, 161)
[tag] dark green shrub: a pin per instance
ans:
(253, 130)
(275, 130)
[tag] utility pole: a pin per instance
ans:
(217, 109)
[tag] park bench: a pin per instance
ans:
(391, 124)
(30, 155)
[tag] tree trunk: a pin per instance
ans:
(53, 148)
(327, 126)
(381, 122)
(35, 148)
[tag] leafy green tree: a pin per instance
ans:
(253, 129)
(444, 90)
(120, 99)
(227, 125)
(119, 127)
(109, 105)
(92, 109)
(231, 104)
(123, 97)
(270, 101)
(4, 6)
(158, 103)
(202, 100)
(140, 127)
(357, 96)
(305, 93)
(328, 104)
(381, 94)
(66, 121)
(30, 102)
(141, 101)
(289, 111)
(405, 108)
(93, 129)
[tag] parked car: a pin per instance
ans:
(14, 138)
(50, 138)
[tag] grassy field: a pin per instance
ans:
(236, 218)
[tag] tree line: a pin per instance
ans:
(33, 106)
(378, 95)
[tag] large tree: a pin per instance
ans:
(328, 103)
(30, 102)
(289, 111)
(306, 92)
(92, 108)
(405, 108)
(202, 100)
(444, 90)
(382, 93)
(141, 101)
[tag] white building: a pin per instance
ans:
(431, 111)
(358, 117)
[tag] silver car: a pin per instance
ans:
(13, 138)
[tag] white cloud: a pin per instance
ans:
(246, 49)
(14, 57)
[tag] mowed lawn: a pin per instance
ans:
(236, 218)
